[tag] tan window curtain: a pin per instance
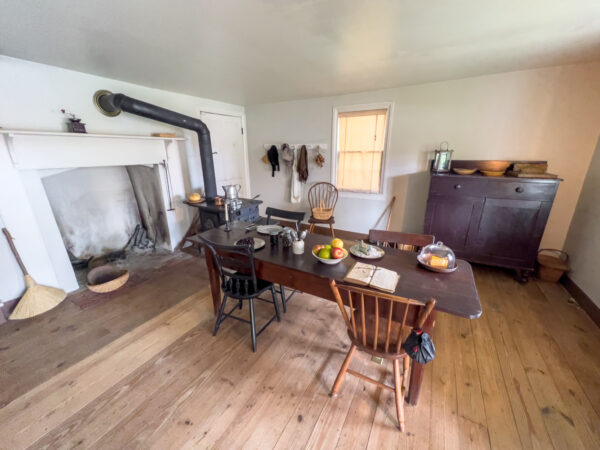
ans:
(361, 142)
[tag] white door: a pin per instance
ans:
(227, 139)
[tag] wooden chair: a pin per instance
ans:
(240, 283)
(402, 241)
(297, 217)
(373, 328)
(322, 195)
(294, 216)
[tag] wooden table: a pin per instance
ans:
(454, 293)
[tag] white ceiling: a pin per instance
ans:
(255, 51)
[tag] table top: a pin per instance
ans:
(455, 293)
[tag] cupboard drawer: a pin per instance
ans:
(456, 186)
(521, 190)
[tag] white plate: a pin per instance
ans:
(258, 243)
(268, 229)
(355, 252)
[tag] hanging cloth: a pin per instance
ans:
(296, 186)
(287, 154)
(303, 164)
(273, 156)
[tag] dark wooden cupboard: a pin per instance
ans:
(497, 221)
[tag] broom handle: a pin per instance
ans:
(14, 250)
(389, 221)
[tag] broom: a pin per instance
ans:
(37, 298)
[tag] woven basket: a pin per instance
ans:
(322, 213)
(106, 278)
(552, 266)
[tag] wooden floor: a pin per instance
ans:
(143, 370)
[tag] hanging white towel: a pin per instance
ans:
(296, 186)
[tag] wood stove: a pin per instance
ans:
(212, 215)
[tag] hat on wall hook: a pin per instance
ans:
(319, 159)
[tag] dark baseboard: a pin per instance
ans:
(6, 309)
(582, 298)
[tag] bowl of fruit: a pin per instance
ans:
(332, 253)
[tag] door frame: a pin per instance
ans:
(242, 116)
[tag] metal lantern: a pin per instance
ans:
(442, 158)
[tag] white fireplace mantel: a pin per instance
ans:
(25, 210)
(53, 150)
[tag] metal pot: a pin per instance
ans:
(231, 191)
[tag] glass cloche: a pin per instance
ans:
(438, 257)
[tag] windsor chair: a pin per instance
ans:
(297, 217)
(402, 241)
(322, 195)
(240, 283)
(373, 329)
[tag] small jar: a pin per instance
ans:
(274, 238)
(298, 247)
(286, 237)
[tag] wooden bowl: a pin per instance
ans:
(493, 173)
(493, 165)
(106, 278)
(460, 171)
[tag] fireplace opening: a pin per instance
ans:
(112, 214)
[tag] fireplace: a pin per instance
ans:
(33, 165)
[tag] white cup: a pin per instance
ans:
(298, 247)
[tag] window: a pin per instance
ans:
(361, 144)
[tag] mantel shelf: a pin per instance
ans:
(37, 150)
(13, 133)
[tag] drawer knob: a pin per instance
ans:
(457, 186)
(519, 189)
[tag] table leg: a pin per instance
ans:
(215, 280)
(417, 370)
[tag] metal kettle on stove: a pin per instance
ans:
(231, 191)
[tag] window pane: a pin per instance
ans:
(361, 142)
(359, 171)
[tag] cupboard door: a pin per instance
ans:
(451, 219)
(507, 231)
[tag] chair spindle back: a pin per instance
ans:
(402, 241)
(322, 195)
(296, 216)
(372, 320)
(238, 258)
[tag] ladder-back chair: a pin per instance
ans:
(377, 324)
(240, 283)
(322, 195)
(403, 241)
(297, 217)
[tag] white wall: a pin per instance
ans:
(545, 114)
(583, 240)
(31, 96)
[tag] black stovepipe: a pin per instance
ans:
(112, 104)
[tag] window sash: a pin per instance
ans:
(361, 144)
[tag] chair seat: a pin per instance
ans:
(238, 291)
(328, 221)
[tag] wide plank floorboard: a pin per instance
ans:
(142, 370)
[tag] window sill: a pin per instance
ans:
(362, 195)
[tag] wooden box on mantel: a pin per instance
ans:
(497, 221)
